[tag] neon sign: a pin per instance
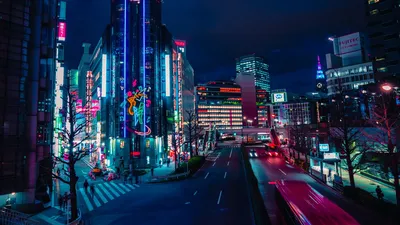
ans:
(230, 90)
(62, 31)
(180, 43)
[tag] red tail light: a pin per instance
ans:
(276, 154)
(269, 153)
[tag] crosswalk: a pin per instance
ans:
(86, 161)
(213, 156)
(105, 192)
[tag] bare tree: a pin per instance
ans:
(347, 134)
(192, 130)
(385, 117)
(73, 134)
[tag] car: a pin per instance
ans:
(273, 153)
(253, 153)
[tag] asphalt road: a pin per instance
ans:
(216, 194)
(272, 169)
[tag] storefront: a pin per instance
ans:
(327, 168)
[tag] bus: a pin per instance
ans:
(300, 204)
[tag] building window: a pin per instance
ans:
(382, 69)
(372, 1)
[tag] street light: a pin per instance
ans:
(386, 87)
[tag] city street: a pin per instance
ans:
(272, 169)
(216, 194)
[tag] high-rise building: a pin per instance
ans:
(349, 67)
(320, 79)
(219, 103)
(249, 98)
(383, 30)
(136, 51)
(256, 66)
(83, 68)
(27, 78)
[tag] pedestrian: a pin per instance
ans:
(137, 179)
(125, 178)
(379, 193)
(160, 162)
(152, 171)
(86, 185)
(168, 161)
(65, 201)
(92, 189)
(58, 171)
(60, 201)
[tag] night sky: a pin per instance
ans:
(289, 33)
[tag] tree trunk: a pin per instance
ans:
(72, 190)
(350, 169)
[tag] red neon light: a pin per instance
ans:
(180, 43)
(62, 31)
(230, 90)
(202, 110)
(136, 153)
(148, 132)
(272, 182)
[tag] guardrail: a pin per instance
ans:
(169, 177)
(78, 220)
(11, 217)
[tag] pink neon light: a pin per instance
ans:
(148, 132)
(180, 43)
(62, 31)
(134, 83)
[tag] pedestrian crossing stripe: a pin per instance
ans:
(105, 193)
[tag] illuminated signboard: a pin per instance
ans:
(180, 43)
(231, 90)
(167, 76)
(279, 97)
(62, 31)
(331, 155)
(324, 147)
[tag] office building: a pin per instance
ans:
(136, 51)
(83, 68)
(349, 66)
(256, 66)
(219, 103)
(27, 79)
(263, 108)
(320, 78)
(383, 31)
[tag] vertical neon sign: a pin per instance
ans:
(144, 59)
(104, 76)
(167, 76)
(125, 34)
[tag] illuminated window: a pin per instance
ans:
(382, 69)
(372, 1)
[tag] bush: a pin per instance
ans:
(365, 198)
(194, 164)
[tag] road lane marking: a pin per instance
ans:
(225, 175)
(106, 191)
(86, 199)
(230, 155)
(130, 186)
(112, 190)
(214, 164)
(195, 193)
(117, 187)
(206, 175)
(219, 198)
(228, 164)
(136, 185)
(125, 188)
(289, 166)
(101, 195)
(95, 200)
(282, 171)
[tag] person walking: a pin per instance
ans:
(65, 201)
(125, 178)
(152, 171)
(379, 192)
(58, 171)
(86, 185)
(92, 190)
(168, 161)
(61, 201)
(160, 162)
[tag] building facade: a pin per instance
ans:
(136, 51)
(256, 66)
(219, 103)
(383, 30)
(27, 79)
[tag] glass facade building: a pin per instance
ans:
(219, 103)
(256, 66)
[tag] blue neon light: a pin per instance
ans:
(125, 34)
(144, 60)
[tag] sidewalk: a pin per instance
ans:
(361, 182)
(159, 171)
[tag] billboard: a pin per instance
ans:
(347, 44)
(279, 97)
(62, 31)
(324, 147)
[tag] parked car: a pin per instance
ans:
(272, 153)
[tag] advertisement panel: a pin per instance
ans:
(331, 155)
(348, 43)
(279, 97)
(324, 147)
(62, 29)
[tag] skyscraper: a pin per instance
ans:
(320, 79)
(256, 66)
(383, 30)
(27, 77)
(137, 64)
